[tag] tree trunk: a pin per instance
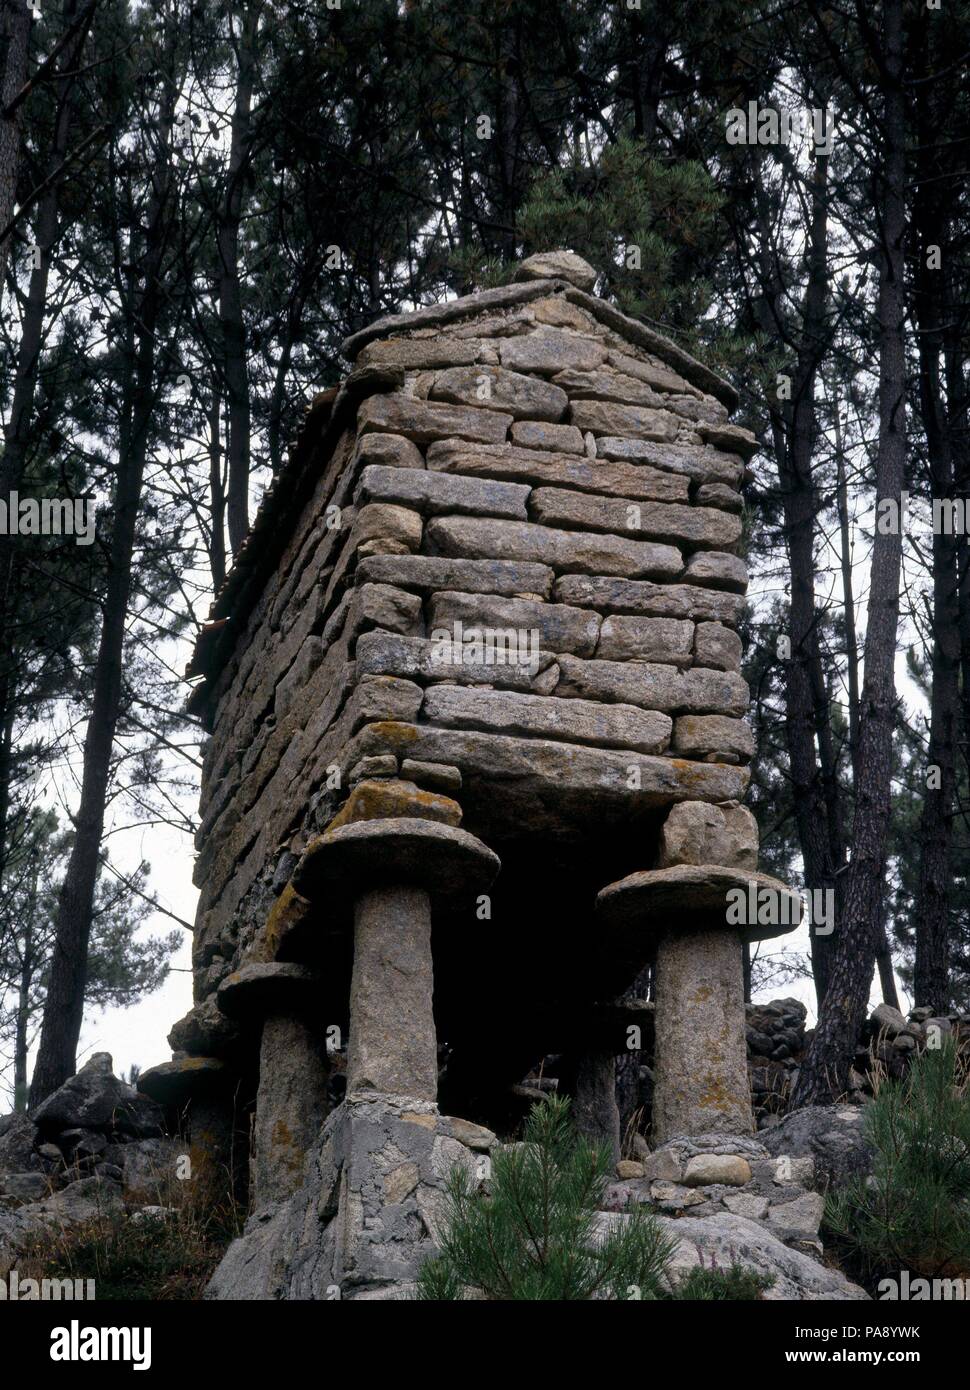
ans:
(217, 497)
(23, 1000)
(232, 323)
(17, 433)
(824, 1071)
(931, 982)
(811, 759)
(64, 1006)
(15, 20)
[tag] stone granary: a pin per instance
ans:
(477, 752)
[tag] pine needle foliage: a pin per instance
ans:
(648, 225)
(532, 1236)
(914, 1211)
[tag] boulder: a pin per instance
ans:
(90, 1100)
(798, 1220)
(723, 1239)
(18, 1140)
(704, 1169)
(557, 265)
(16, 1189)
(88, 1200)
(833, 1135)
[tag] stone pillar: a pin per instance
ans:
(605, 1030)
(701, 1064)
(391, 870)
(594, 1109)
(680, 917)
(200, 1091)
(291, 1101)
(291, 1105)
(393, 1045)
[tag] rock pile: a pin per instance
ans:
(94, 1148)
(730, 1198)
(775, 1035)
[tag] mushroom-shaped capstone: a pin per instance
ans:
(291, 1103)
(695, 897)
(201, 1087)
(392, 869)
(183, 1079)
(693, 919)
(441, 859)
(262, 988)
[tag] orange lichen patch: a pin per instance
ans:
(287, 912)
(393, 733)
(196, 1064)
(286, 1147)
(717, 1096)
(376, 800)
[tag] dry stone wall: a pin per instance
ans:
(526, 465)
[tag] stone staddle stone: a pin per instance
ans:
(595, 1112)
(291, 1103)
(700, 1066)
(201, 1089)
(647, 905)
(701, 1062)
(392, 868)
(261, 988)
(445, 861)
(393, 1044)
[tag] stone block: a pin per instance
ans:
(559, 628)
(431, 573)
(495, 388)
(697, 735)
(640, 596)
(533, 434)
(423, 421)
(548, 468)
(550, 350)
(717, 646)
(717, 571)
(667, 640)
(435, 494)
(543, 716)
(589, 553)
(625, 421)
(698, 527)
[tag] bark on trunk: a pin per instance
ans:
(931, 982)
(64, 1006)
(231, 320)
(824, 1072)
(15, 20)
